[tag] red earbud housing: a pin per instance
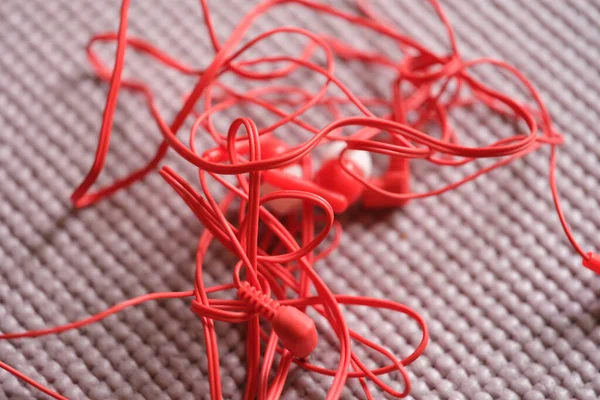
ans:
(332, 176)
(396, 180)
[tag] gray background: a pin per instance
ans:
(511, 311)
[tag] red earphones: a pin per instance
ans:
(336, 185)
(278, 254)
(332, 181)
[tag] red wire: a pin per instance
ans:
(277, 256)
(31, 381)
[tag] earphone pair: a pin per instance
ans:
(331, 181)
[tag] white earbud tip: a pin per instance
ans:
(282, 206)
(362, 159)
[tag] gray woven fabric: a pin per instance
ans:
(512, 313)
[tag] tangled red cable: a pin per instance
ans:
(275, 184)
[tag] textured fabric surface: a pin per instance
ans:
(512, 313)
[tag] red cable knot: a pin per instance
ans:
(296, 330)
(592, 262)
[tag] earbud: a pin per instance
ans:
(396, 180)
(333, 176)
(281, 206)
(290, 178)
(269, 148)
(332, 182)
(284, 181)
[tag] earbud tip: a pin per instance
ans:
(283, 206)
(361, 159)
